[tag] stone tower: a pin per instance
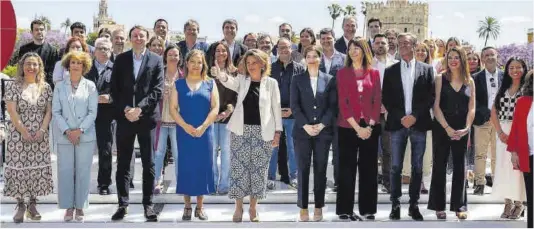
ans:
(402, 15)
(103, 20)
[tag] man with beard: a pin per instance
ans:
(392, 34)
(48, 53)
(285, 30)
(381, 61)
(265, 43)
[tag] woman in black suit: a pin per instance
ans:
(313, 100)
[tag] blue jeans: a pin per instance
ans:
(165, 132)
(399, 138)
(221, 138)
(273, 164)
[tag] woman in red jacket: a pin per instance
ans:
(359, 100)
(520, 141)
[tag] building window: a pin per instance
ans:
(405, 30)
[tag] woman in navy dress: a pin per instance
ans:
(199, 99)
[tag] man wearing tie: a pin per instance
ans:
(136, 88)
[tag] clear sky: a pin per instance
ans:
(446, 17)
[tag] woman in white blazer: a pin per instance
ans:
(255, 125)
(74, 109)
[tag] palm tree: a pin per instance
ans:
(46, 21)
(488, 27)
(67, 23)
(350, 10)
(335, 11)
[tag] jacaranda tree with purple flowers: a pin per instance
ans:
(524, 51)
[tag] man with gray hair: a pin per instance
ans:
(118, 37)
(100, 74)
(350, 27)
(265, 43)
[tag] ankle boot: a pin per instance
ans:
(31, 212)
(19, 213)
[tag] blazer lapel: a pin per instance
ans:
(70, 95)
(306, 84)
(322, 66)
(401, 86)
(483, 86)
(321, 84)
(236, 51)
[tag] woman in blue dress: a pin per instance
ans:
(194, 107)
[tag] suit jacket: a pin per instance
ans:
(310, 109)
(371, 46)
(338, 61)
(518, 138)
(270, 108)
(422, 99)
(238, 52)
(78, 110)
(340, 45)
(102, 80)
(483, 113)
(49, 55)
(144, 92)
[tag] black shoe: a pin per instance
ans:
(386, 188)
(355, 217)
(395, 212)
(150, 214)
(414, 212)
(479, 190)
(132, 185)
(369, 216)
(334, 189)
(343, 217)
(489, 180)
(104, 191)
(120, 213)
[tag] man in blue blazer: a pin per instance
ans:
(136, 89)
(350, 26)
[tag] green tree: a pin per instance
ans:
(350, 10)
(91, 38)
(46, 21)
(335, 11)
(10, 70)
(67, 23)
(489, 27)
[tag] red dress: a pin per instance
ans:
(518, 138)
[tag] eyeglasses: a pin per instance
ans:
(103, 49)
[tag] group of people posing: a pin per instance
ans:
(368, 99)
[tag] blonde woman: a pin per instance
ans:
(199, 98)
(256, 126)
(74, 108)
(28, 168)
(156, 44)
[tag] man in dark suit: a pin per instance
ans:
(331, 61)
(487, 83)
(100, 74)
(349, 31)
(373, 26)
(136, 88)
(284, 30)
(237, 49)
(48, 53)
(407, 95)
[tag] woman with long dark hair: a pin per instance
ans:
(508, 183)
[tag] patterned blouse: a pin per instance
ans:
(507, 105)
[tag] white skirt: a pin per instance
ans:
(507, 182)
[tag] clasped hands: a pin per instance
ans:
(32, 136)
(74, 135)
(132, 113)
(456, 134)
(195, 132)
(313, 130)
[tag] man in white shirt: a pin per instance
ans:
(487, 84)
(381, 62)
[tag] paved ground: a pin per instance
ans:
(278, 210)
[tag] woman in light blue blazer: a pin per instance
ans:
(74, 109)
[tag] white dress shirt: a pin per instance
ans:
(407, 75)
(381, 66)
(530, 129)
(137, 62)
(328, 62)
(313, 82)
(231, 47)
(492, 91)
(346, 43)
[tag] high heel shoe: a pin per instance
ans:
(79, 215)
(254, 217)
(518, 210)
(31, 211)
(19, 214)
(69, 215)
(238, 216)
(461, 215)
(187, 214)
(200, 214)
(441, 215)
(318, 215)
(507, 209)
(304, 215)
